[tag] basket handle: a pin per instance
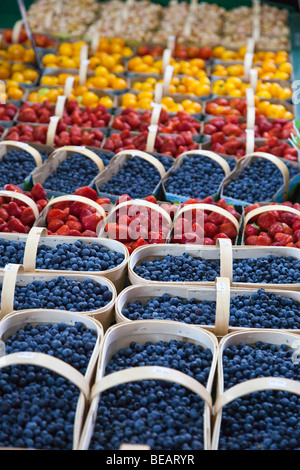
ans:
(75, 198)
(145, 156)
(225, 246)
(31, 247)
(211, 207)
(141, 202)
(214, 156)
(280, 165)
(134, 374)
(11, 272)
(269, 208)
(83, 151)
(48, 362)
(255, 385)
(22, 197)
(22, 145)
(222, 306)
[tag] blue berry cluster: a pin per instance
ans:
(267, 420)
(197, 177)
(37, 406)
(160, 414)
(166, 307)
(15, 166)
(62, 294)
(76, 256)
(137, 178)
(259, 181)
(183, 268)
(264, 310)
(271, 269)
(75, 171)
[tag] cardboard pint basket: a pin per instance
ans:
(242, 163)
(224, 397)
(117, 163)
(220, 252)
(175, 198)
(221, 294)
(120, 336)
(56, 158)
(13, 275)
(62, 369)
(38, 237)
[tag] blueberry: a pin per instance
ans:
(15, 166)
(269, 269)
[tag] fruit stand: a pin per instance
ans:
(149, 225)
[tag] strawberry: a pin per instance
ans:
(4, 215)
(252, 240)
(264, 239)
(63, 230)
(38, 192)
(56, 214)
(208, 241)
(211, 230)
(139, 242)
(283, 238)
(14, 210)
(229, 229)
(55, 224)
(15, 225)
(88, 192)
(277, 227)
(89, 233)
(265, 220)
(27, 217)
(90, 222)
(75, 225)
(251, 229)
(74, 233)
(215, 218)
(297, 235)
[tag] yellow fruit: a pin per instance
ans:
(106, 101)
(89, 98)
(285, 93)
(18, 67)
(4, 73)
(286, 67)
(14, 93)
(49, 59)
(99, 82)
(18, 77)
(109, 62)
(65, 48)
(31, 75)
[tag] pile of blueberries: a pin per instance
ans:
(160, 414)
(15, 166)
(186, 268)
(197, 177)
(62, 294)
(267, 420)
(264, 310)
(248, 185)
(76, 256)
(126, 181)
(38, 406)
(166, 307)
(75, 171)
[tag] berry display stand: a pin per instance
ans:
(120, 336)
(223, 397)
(55, 159)
(13, 275)
(38, 236)
(62, 369)
(117, 163)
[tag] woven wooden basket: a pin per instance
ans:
(121, 335)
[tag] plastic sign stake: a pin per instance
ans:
(253, 79)
(167, 54)
(155, 114)
(84, 50)
(152, 131)
(52, 130)
(248, 60)
(250, 117)
(250, 97)
(249, 141)
(171, 43)
(250, 46)
(95, 42)
(167, 79)
(158, 92)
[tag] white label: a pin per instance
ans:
(277, 383)
(159, 370)
(221, 286)
(26, 354)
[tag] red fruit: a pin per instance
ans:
(15, 225)
(264, 239)
(265, 220)
(208, 241)
(296, 225)
(27, 217)
(288, 218)
(151, 199)
(297, 235)
(74, 225)
(4, 215)
(182, 225)
(211, 230)
(38, 192)
(89, 233)
(139, 242)
(198, 229)
(283, 238)
(297, 244)
(215, 218)
(14, 210)
(63, 230)
(155, 237)
(251, 229)
(90, 222)
(252, 240)
(220, 235)
(55, 224)
(56, 214)
(88, 192)
(277, 227)
(229, 229)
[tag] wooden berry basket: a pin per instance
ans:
(223, 251)
(7, 145)
(13, 274)
(116, 164)
(62, 369)
(175, 198)
(55, 159)
(208, 207)
(221, 294)
(223, 397)
(242, 163)
(23, 198)
(38, 236)
(121, 335)
(262, 210)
